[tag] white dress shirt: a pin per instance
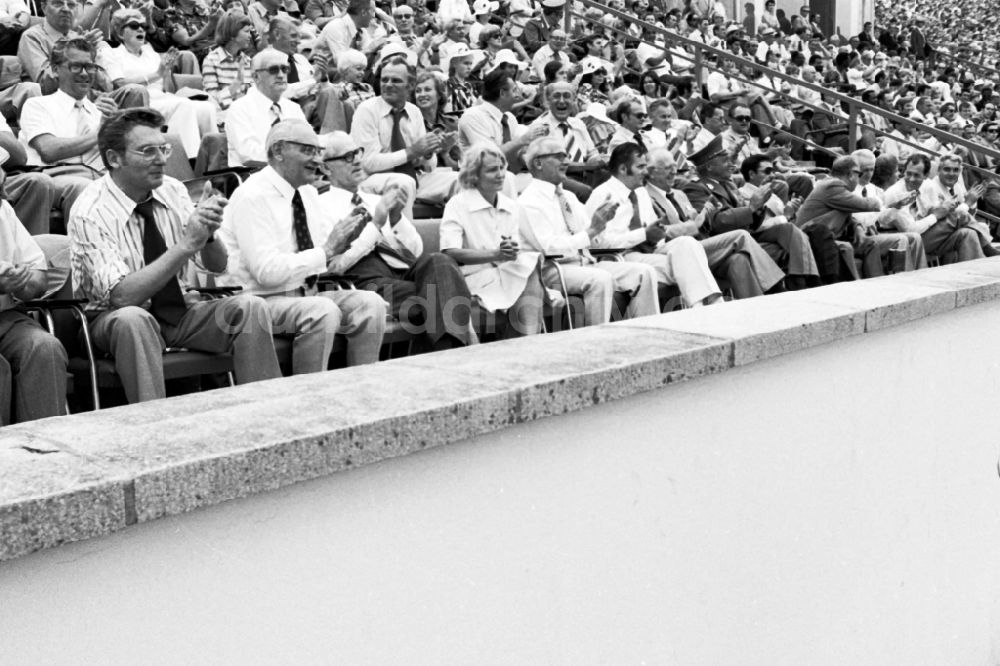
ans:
(402, 235)
(306, 80)
(371, 129)
(483, 123)
(471, 222)
(248, 121)
(546, 228)
(583, 144)
(106, 237)
(55, 114)
(258, 232)
(17, 247)
(338, 35)
(616, 234)
(911, 217)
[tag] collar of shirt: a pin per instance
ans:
(658, 190)
(283, 187)
(120, 206)
(54, 34)
(477, 202)
(573, 122)
(493, 111)
(66, 102)
(227, 56)
(617, 188)
(258, 99)
(542, 188)
(384, 109)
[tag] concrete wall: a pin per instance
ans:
(837, 505)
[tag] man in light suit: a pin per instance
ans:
(733, 255)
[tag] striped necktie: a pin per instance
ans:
(572, 150)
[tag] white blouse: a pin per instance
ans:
(120, 64)
(470, 222)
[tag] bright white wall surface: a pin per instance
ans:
(833, 506)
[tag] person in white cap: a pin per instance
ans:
(280, 237)
(482, 10)
(136, 239)
(461, 95)
(32, 361)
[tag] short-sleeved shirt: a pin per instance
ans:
(17, 247)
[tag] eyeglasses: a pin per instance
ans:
(402, 17)
(149, 153)
(274, 70)
(347, 157)
(307, 149)
(767, 172)
(78, 67)
(742, 119)
(641, 115)
(135, 25)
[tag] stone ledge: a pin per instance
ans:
(82, 476)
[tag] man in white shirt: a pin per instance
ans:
(425, 291)
(280, 236)
(32, 361)
(680, 261)
(878, 225)
(737, 140)
(251, 117)
(351, 31)
(556, 223)
(713, 122)
(552, 51)
(61, 128)
(398, 150)
(631, 116)
(559, 122)
(928, 207)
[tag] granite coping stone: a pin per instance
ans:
(71, 478)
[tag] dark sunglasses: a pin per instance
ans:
(135, 25)
(274, 70)
(347, 157)
(742, 119)
(767, 172)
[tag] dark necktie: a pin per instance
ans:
(356, 42)
(642, 144)
(951, 190)
(505, 129)
(300, 227)
(636, 221)
(293, 72)
(167, 305)
(396, 143)
(556, 56)
(673, 202)
(864, 192)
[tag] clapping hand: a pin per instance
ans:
(508, 249)
(13, 278)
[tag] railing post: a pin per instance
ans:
(697, 68)
(567, 19)
(852, 127)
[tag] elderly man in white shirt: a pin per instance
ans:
(556, 223)
(560, 123)
(251, 117)
(280, 236)
(32, 361)
(425, 291)
(553, 50)
(680, 261)
(944, 220)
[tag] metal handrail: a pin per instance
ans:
(855, 105)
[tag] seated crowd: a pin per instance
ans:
(578, 164)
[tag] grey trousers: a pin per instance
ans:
(787, 240)
(314, 321)
(750, 270)
(32, 368)
(136, 340)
